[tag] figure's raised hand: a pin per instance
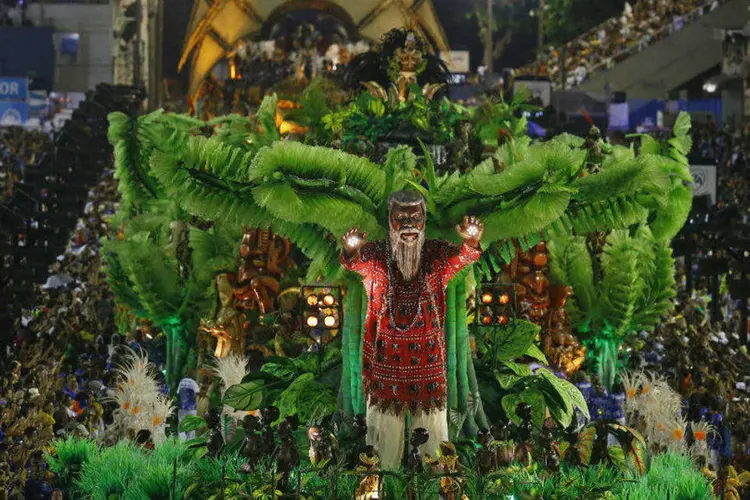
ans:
(470, 229)
(353, 240)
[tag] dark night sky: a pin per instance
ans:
(463, 34)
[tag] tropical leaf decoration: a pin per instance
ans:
(585, 444)
(632, 292)
(635, 451)
(630, 453)
(541, 389)
(293, 184)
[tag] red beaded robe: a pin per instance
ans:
(403, 358)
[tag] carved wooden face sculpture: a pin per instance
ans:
(407, 234)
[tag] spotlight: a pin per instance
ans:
(497, 304)
(322, 307)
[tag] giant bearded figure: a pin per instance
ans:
(404, 359)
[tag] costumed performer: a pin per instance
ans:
(404, 351)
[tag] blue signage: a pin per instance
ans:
(13, 113)
(14, 89)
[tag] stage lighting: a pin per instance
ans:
(497, 304)
(322, 308)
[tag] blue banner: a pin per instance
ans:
(14, 89)
(13, 113)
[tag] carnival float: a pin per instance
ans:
(365, 290)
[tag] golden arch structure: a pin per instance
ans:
(216, 26)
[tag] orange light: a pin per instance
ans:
(486, 320)
(312, 321)
(329, 321)
(486, 298)
(312, 300)
(328, 299)
(503, 320)
(504, 298)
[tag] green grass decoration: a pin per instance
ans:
(173, 471)
(68, 458)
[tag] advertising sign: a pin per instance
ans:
(619, 116)
(13, 113)
(704, 181)
(456, 60)
(14, 89)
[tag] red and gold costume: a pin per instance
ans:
(403, 358)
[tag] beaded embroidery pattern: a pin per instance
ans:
(403, 359)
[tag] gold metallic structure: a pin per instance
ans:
(216, 26)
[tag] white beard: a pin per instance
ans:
(407, 254)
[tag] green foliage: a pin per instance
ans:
(595, 482)
(192, 423)
(209, 473)
(128, 472)
(246, 396)
(372, 119)
(111, 471)
(313, 194)
(629, 453)
(298, 386)
(543, 390)
(672, 476)
(151, 273)
(632, 292)
(68, 457)
(506, 342)
(306, 398)
(495, 115)
(165, 474)
(171, 470)
(316, 103)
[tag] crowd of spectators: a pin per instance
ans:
(19, 149)
(729, 150)
(53, 375)
(616, 39)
